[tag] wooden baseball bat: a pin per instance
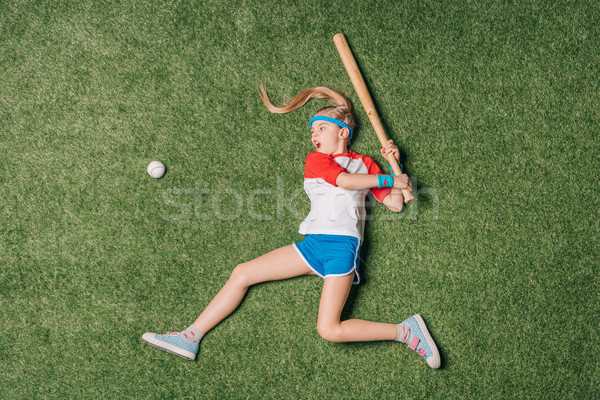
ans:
(365, 98)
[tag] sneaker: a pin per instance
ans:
(419, 340)
(174, 343)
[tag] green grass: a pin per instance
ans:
(494, 104)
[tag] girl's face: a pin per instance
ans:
(329, 138)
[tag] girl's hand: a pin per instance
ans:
(390, 147)
(402, 182)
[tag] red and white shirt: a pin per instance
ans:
(337, 211)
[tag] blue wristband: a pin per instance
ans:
(385, 181)
(401, 169)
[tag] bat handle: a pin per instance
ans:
(408, 197)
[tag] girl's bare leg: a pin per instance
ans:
(282, 263)
(333, 297)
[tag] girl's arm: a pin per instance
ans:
(395, 200)
(366, 181)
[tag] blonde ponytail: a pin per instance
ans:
(342, 109)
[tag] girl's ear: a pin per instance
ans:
(344, 133)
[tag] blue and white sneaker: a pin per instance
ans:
(174, 343)
(419, 340)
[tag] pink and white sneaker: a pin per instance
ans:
(174, 343)
(417, 338)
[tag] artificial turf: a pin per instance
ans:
(495, 105)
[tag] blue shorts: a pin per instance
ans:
(331, 255)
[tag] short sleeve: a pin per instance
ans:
(374, 169)
(319, 165)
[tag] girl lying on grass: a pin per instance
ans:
(337, 181)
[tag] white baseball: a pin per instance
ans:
(156, 169)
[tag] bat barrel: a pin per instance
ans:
(359, 85)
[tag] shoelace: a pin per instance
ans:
(177, 334)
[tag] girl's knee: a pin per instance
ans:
(241, 275)
(330, 332)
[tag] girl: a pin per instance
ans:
(336, 180)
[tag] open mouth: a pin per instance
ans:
(317, 144)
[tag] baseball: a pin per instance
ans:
(156, 169)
